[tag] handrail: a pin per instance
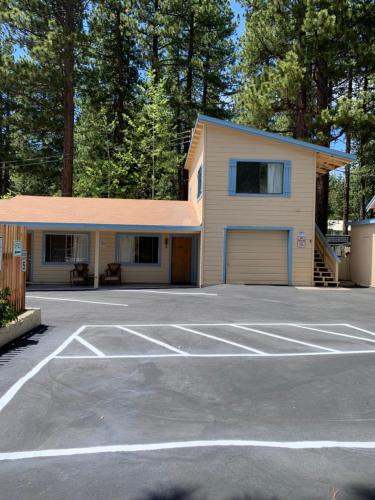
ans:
(328, 254)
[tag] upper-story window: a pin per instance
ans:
(200, 182)
(259, 178)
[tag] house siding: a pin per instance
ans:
(59, 273)
(296, 211)
(198, 161)
(362, 256)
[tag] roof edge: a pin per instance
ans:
(113, 227)
(362, 222)
(278, 137)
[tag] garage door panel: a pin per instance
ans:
(257, 257)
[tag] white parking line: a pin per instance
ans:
(9, 395)
(134, 325)
(356, 337)
(282, 337)
(166, 292)
(224, 355)
(155, 341)
(176, 445)
(76, 300)
(359, 329)
(90, 346)
(220, 339)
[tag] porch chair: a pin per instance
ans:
(112, 274)
(80, 274)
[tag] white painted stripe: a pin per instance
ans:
(212, 324)
(176, 445)
(220, 339)
(90, 346)
(288, 339)
(167, 292)
(356, 337)
(155, 341)
(359, 329)
(9, 395)
(76, 300)
(235, 355)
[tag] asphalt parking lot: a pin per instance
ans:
(227, 390)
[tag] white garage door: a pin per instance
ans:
(257, 257)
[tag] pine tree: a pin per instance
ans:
(149, 157)
(50, 32)
(297, 58)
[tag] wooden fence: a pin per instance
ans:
(12, 272)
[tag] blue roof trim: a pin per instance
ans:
(370, 203)
(362, 222)
(276, 137)
(114, 227)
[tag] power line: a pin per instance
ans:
(35, 158)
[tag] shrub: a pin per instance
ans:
(8, 312)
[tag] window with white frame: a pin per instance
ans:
(138, 249)
(66, 247)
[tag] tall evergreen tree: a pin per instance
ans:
(49, 32)
(295, 65)
(149, 156)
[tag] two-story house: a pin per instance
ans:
(249, 219)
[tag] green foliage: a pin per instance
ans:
(149, 157)
(336, 191)
(7, 310)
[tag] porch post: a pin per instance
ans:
(96, 260)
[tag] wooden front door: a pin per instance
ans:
(181, 260)
(29, 256)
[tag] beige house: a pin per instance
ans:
(362, 256)
(249, 219)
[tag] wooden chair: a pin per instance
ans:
(80, 274)
(112, 274)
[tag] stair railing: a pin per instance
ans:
(331, 260)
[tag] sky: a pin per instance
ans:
(238, 10)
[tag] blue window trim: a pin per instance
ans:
(259, 228)
(200, 171)
(232, 177)
(63, 264)
(136, 264)
(194, 256)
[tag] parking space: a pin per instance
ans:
(142, 397)
(218, 340)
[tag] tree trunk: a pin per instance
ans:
(68, 65)
(189, 61)
(206, 66)
(346, 194)
(322, 182)
(120, 75)
(155, 45)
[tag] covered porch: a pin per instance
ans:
(94, 242)
(111, 258)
